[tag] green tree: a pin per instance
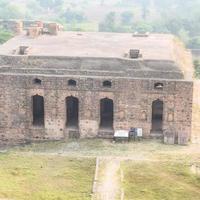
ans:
(51, 3)
(109, 24)
(184, 36)
(143, 27)
(194, 43)
(46, 3)
(127, 17)
(11, 11)
(145, 6)
(73, 16)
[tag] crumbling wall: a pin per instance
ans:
(33, 28)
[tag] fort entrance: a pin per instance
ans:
(157, 116)
(106, 113)
(72, 110)
(38, 110)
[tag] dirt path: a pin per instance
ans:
(108, 187)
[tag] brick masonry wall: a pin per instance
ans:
(132, 105)
(196, 113)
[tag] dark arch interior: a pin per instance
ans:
(38, 110)
(157, 116)
(106, 113)
(37, 81)
(107, 84)
(72, 82)
(158, 86)
(72, 111)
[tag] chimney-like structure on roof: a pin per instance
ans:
(135, 54)
(53, 28)
(33, 31)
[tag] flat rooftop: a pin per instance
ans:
(155, 46)
(165, 50)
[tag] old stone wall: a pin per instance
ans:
(132, 100)
(196, 113)
(87, 66)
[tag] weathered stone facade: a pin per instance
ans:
(133, 85)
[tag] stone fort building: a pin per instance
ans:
(71, 85)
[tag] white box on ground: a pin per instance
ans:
(139, 132)
(121, 134)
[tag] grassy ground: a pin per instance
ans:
(160, 180)
(147, 149)
(64, 170)
(37, 177)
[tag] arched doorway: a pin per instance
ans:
(157, 116)
(106, 113)
(72, 112)
(38, 110)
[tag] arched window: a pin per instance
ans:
(157, 116)
(38, 110)
(37, 81)
(72, 82)
(72, 111)
(106, 113)
(107, 84)
(158, 86)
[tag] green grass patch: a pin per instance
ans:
(160, 180)
(31, 177)
(5, 36)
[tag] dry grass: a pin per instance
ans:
(64, 170)
(36, 177)
(160, 180)
(146, 149)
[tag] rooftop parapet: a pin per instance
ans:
(40, 28)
